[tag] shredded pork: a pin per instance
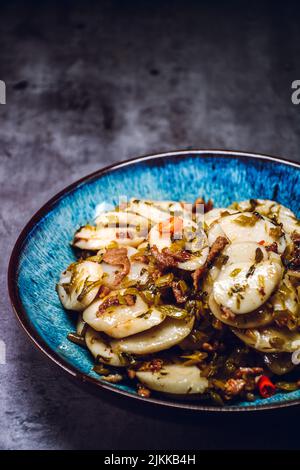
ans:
(216, 249)
(118, 257)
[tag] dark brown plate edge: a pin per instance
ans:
(20, 312)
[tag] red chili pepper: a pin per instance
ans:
(265, 386)
(172, 225)
(262, 242)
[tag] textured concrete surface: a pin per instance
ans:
(89, 85)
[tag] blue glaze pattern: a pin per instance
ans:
(46, 251)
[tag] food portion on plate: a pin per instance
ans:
(190, 300)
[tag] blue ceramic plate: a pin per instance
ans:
(43, 248)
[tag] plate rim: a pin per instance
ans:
(54, 357)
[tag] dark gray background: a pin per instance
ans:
(88, 85)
